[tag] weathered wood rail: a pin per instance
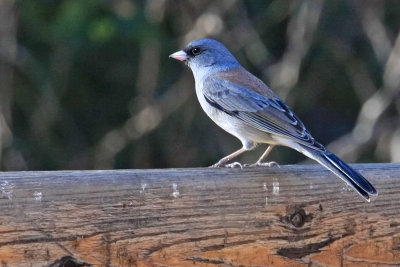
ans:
(288, 216)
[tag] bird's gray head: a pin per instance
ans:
(206, 55)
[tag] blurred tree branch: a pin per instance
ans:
(148, 118)
(301, 28)
(370, 116)
(8, 54)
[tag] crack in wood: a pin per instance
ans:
(69, 261)
(226, 245)
(204, 238)
(217, 262)
(299, 252)
(293, 238)
(48, 239)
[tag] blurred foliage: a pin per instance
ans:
(93, 86)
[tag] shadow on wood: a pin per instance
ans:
(290, 216)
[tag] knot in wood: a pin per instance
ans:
(297, 219)
(296, 216)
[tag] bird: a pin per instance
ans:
(244, 106)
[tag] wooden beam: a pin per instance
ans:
(290, 216)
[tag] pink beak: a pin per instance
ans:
(180, 55)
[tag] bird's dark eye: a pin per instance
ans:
(195, 51)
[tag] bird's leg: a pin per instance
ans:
(264, 156)
(222, 162)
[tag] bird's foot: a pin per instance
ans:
(234, 165)
(224, 165)
(263, 164)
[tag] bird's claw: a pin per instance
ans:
(263, 164)
(230, 165)
(234, 165)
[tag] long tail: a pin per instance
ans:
(343, 171)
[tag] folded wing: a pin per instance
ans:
(266, 113)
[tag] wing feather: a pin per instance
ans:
(269, 114)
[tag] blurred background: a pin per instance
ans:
(89, 85)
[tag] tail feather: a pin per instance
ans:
(345, 172)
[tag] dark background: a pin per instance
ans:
(89, 85)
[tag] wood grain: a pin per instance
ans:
(290, 216)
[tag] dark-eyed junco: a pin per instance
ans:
(245, 107)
